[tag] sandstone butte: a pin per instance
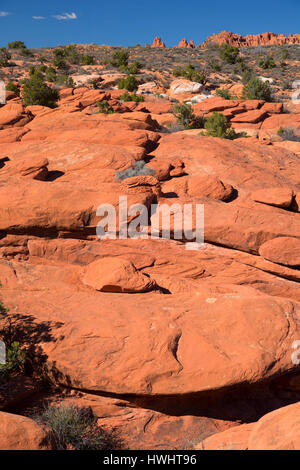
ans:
(171, 348)
(237, 40)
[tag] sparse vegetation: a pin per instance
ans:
(266, 63)
(74, 428)
(229, 53)
(131, 97)
(139, 169)
(256, 89)
(190, 73)
(223, 93)
(11, 86)
(16, 45)
(87, 59)
(129, 83)
(217, 125)
(4, 57)
(104, 107)
(287, 133)
(15, 359)
(37, 92)
(185, 116)
(120, 59)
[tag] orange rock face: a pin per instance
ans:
(184, 43)
(157, 42)
(283, 250)
(265, 39)
(21, 433)
(175, 347)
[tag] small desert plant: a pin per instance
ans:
(11, 86)
(217, 125)
(15, 359)
(256, 89)
(131, 97)
(94, 84)
(26, 53)
(16, 45)
(247, 74)
(74, 428)
(60, 63)
(120, 59)
(223, 93)
(4, 57)
(37, 92)
(229, 53)
(287, 133)
(50, 74)
(87, 59)
(64, 80)
(129, 83)
(266, 63)
(139, 169)
(190, 73)
(133, 68)
(104, 107)
(185, 116)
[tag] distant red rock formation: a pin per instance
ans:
(264, 39)
(157, 42)
(184, 43)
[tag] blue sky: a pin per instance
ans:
(129, 22)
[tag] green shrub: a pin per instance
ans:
(4, 57)
(104, 107)
(94, 84)
(284, 54)
(64, 80)
(287, 133)
(51, 74)
(256, 89)
(133, 68)
(26, 53)
(139, 169)
(120, 58)
(129, 83)
(134, 97)
(76, 428)
(266, 63)
(87, 59)
(37, 92)
(229, 53)
(16, 45)
(185, 116)
(69, 53)
(11, 86)
(60, 63)
(15, 359)
(223, 93)
(247, 75)
(217, 125)
(190, 73)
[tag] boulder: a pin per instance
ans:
(235, 438)
(21, 433)
(181, 86)
(278, 430)
(278, 197)
(34, 167)
(282, 250)
(116, 275)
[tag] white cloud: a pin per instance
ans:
(66, 16)
(4, 13)
(38, 17)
